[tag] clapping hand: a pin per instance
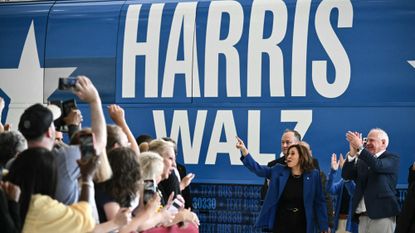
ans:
(335, 164)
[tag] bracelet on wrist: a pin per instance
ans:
(87, 183)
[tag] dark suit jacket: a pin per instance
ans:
(375, 180)
(411, 175)
(9, 215)
(314, 202)
(406, 220)
(185, 192)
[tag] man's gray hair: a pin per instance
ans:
(381, 134)
(11, 143)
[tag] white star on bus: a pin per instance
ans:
(24, 85)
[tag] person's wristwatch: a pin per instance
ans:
(360, 149)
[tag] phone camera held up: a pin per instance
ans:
(150, 189)
(86, 145)
(67, 83)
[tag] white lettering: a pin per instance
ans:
(254, 136)
(302, 117)
(150, 49)
(224, 119)
(184, 19)
(180, 125)
(216, 46)
(333, 48)
(258, 45)
(299, 57)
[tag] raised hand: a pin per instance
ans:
(117, 114)
(341, 160)
(123, 217)
(12, 191)
(88, 167)
(74, 117)
(355, 141)
(85, 90)
(186, 180)
(334, 162)
(240, 145)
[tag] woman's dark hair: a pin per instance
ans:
(34, 171)
(305, 159)
(124, 184)
(144, 138)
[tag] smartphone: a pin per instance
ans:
(67, 83)
(175, 206)
(150, 189)
(86, 145)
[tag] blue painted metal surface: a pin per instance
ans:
(202, 72)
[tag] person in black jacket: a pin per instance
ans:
(375, 172)
(9, 208)
(288, 138)
(406, 220)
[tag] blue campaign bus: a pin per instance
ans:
(203, 72)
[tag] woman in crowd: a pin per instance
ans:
(344, 190)
(34, 171)
(122, 192)
(294, 202)
(166, 151)
(122, 189)
(153, 167)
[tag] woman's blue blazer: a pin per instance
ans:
(314, 202)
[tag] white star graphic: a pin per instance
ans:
(24, 85)
(412, 63)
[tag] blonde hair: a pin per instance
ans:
(151, 165)
(160, 146)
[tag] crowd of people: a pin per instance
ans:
(106, 180)
(94, 183)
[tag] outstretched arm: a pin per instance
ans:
(118, 116)
(250, 163)
(87, 92)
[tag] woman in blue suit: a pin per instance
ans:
(294, 202)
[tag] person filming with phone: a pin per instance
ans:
(36, 125)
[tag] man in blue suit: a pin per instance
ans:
(375, 172)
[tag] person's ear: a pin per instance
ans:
(49, 133)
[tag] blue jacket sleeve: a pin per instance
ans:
(253, 166)
(350, 187)
(320, 205)
(331, 187)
